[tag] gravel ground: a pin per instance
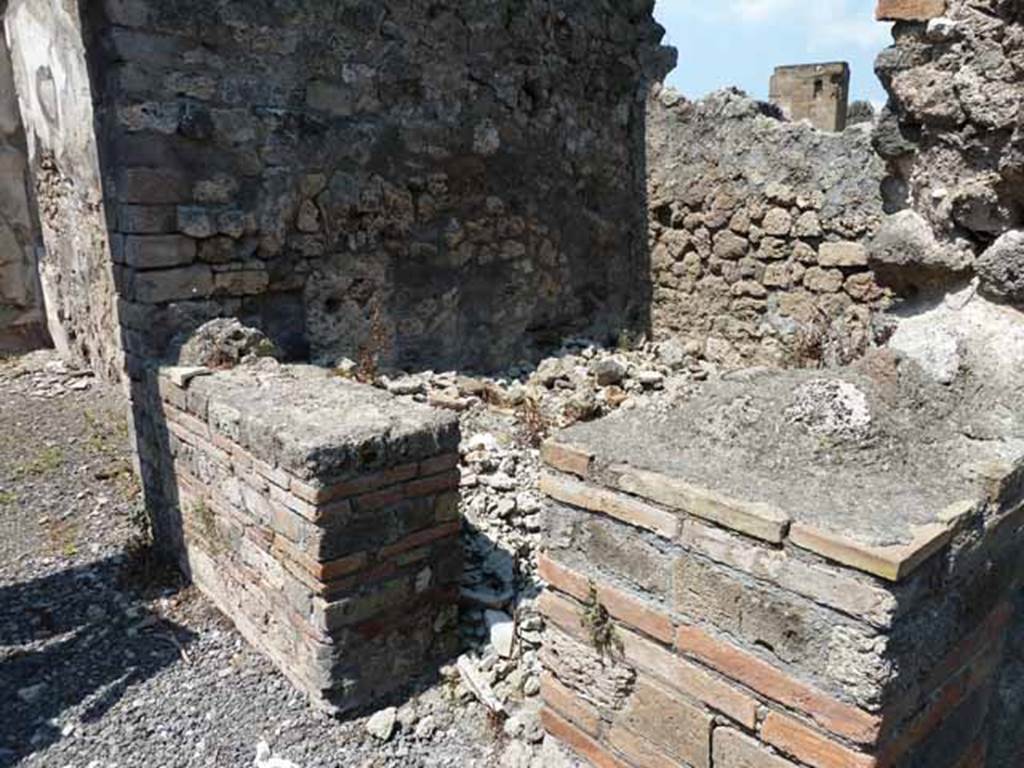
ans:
(108, 661)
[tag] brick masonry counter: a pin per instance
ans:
(322, 517)
(799, 568)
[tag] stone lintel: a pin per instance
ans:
(909, 10)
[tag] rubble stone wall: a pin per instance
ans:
(686, 628)
(21, 317)
(335, 552)
(54, 88)
(952, 138)
(447, 183)
(757, 232)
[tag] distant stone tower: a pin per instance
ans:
(818, 93)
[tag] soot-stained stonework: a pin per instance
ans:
(454, 183)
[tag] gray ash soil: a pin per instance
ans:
(107, 659)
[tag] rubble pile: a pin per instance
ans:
(504, 420)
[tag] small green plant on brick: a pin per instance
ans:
(599, 626)
(8, 498)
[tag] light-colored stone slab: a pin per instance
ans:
(759, 520)
(890, 563)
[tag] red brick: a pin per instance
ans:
(302, 508)
(975, 756)
(578, 741)
(563, 613)
(305, 491)
(189, 422)
(569, 704)
(808, 746)
(630, 511)
(386, 497)
(427, 486)
(620, 605)
(275, 475)
(335, 569)
(689, 679)
(366, 483)
(439, 464)
(980, 640)
(567, 458)
(180, 432)
(420, 538)
(338, 587)
(909, 10)
(224, 443)
(633, 612)
(562, 578)
(839, 718)
(975, 674)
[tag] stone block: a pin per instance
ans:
(351, 606)
(176, 284)
(909, 10)
(158, 251)
(152, 186)
(146, 219)
(842, 255)
(732, 749)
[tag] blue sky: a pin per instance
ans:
(740, 42)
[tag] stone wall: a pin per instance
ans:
(449, 183)
(322, 517)
(55, 95)
(757, 232)
(21, 317)
(952, 138)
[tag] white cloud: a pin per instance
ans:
(824, 23)
(760, 10)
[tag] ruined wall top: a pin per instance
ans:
(952, 137)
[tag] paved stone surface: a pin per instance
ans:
(856, 452)
(318, 424)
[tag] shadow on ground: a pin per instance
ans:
(75, 639)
